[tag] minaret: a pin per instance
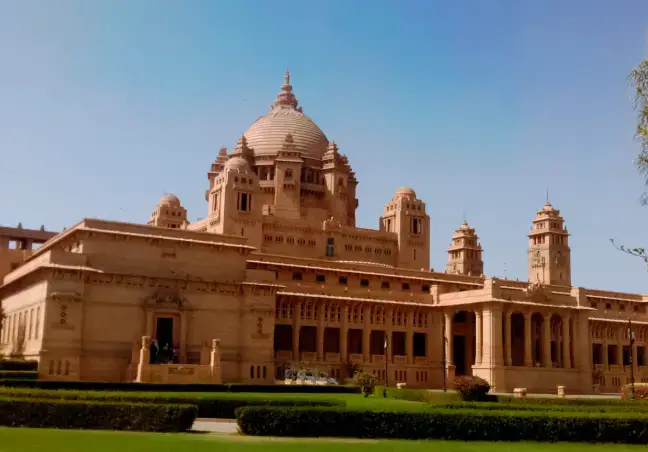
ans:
(465, 254)
(549, 253)
(169, 213)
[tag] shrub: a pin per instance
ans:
(96, 415)
(472, 389)
(568, 401)
(18, 364)
(640, 392)
(220, 406)
(608, 408)
(19, 374)
(439, 423)
(162, 387)
(366, 382)
(423, 395)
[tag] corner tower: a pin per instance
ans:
(549, 254)
(169, 213)
(465, 253)
(405, 215)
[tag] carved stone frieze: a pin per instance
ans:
(537, 292)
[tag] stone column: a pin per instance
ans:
(366, 335)
(409, 338)
(620, 345)
(448, 338)
(295, 331)
(528, 355)
(184, 337)
(633, 351)
(148, 328)
(566, 344)
(508, 337)
(478, 336)
(344, 335)
(546, 340)
(604, 349)
(320, 332)
(492, 331)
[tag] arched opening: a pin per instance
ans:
(537, 321)
(556, 339)
(517, 339)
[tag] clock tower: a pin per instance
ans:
(549, 253)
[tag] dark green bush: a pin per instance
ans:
(18, 364)
(96, 415)
(472, 389)
(159, 387)
(567, 401)
(608, 408)
(19, 374)
(439, 423)
(220, 406)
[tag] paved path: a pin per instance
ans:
(215, 426)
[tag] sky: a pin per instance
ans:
(480, 106)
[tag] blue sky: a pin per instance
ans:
(480, 106)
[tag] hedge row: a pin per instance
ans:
(606, 408)
(96, 415)
(564, 401)
(456, 424)
(18, 364)
(18, 374)
(221, 407)
(159, 387)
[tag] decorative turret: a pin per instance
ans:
(242, 150)
(405, 215)
(465, 254)
(288, 169)
(340, 185)
(549, 253)
(169, 213)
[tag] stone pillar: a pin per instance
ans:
(295, 330)
(604, 349)
(320, 332)
(344, 335)
(508, 338)
(184, 336)
(409, 338)
(215, 362)
(528, 354)
(566, 344)
(448, 338)
(148, 328)
(478, 337)
(546, 340)
(366, 335)
(620, 345)
(492, 332)
(143, 367)
(633, 351)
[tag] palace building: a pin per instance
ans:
(277, 274)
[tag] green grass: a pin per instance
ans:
(37, 440)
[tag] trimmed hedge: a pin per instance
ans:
(96, 415)
(19, 374)
(609, 408)
(161, 387)
(456, 424)
(18, 364)
(567, 401)
(222, 407)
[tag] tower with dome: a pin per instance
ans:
(277, 275)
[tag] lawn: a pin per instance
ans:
(37, 440)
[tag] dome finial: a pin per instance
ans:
(286, 96)
(287, 77)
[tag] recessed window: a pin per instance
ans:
(425, 288)
(330, 247)
(384, 285)
(593, 304)
(343, 280)
(320, 278)
(297, 276)
(405, 286)
(364, 282)
(608, 305)
(622, 307)
(245, 202)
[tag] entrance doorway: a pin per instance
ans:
(459, 354)
(164, 331)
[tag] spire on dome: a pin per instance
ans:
(286, 98)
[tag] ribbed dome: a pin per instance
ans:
(169, 200)
(237, 164)
(268, 133)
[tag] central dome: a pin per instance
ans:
(268, 133)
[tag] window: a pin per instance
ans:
(384, 285)
(288, 175)
(320, 278)
(425, 288)
(297, 276)
(343, 280)
(330, 247)
(406, 286)
(608, 305)
(245, 202)
(364, 282)
(416, 226)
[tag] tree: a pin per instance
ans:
(639, 80)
